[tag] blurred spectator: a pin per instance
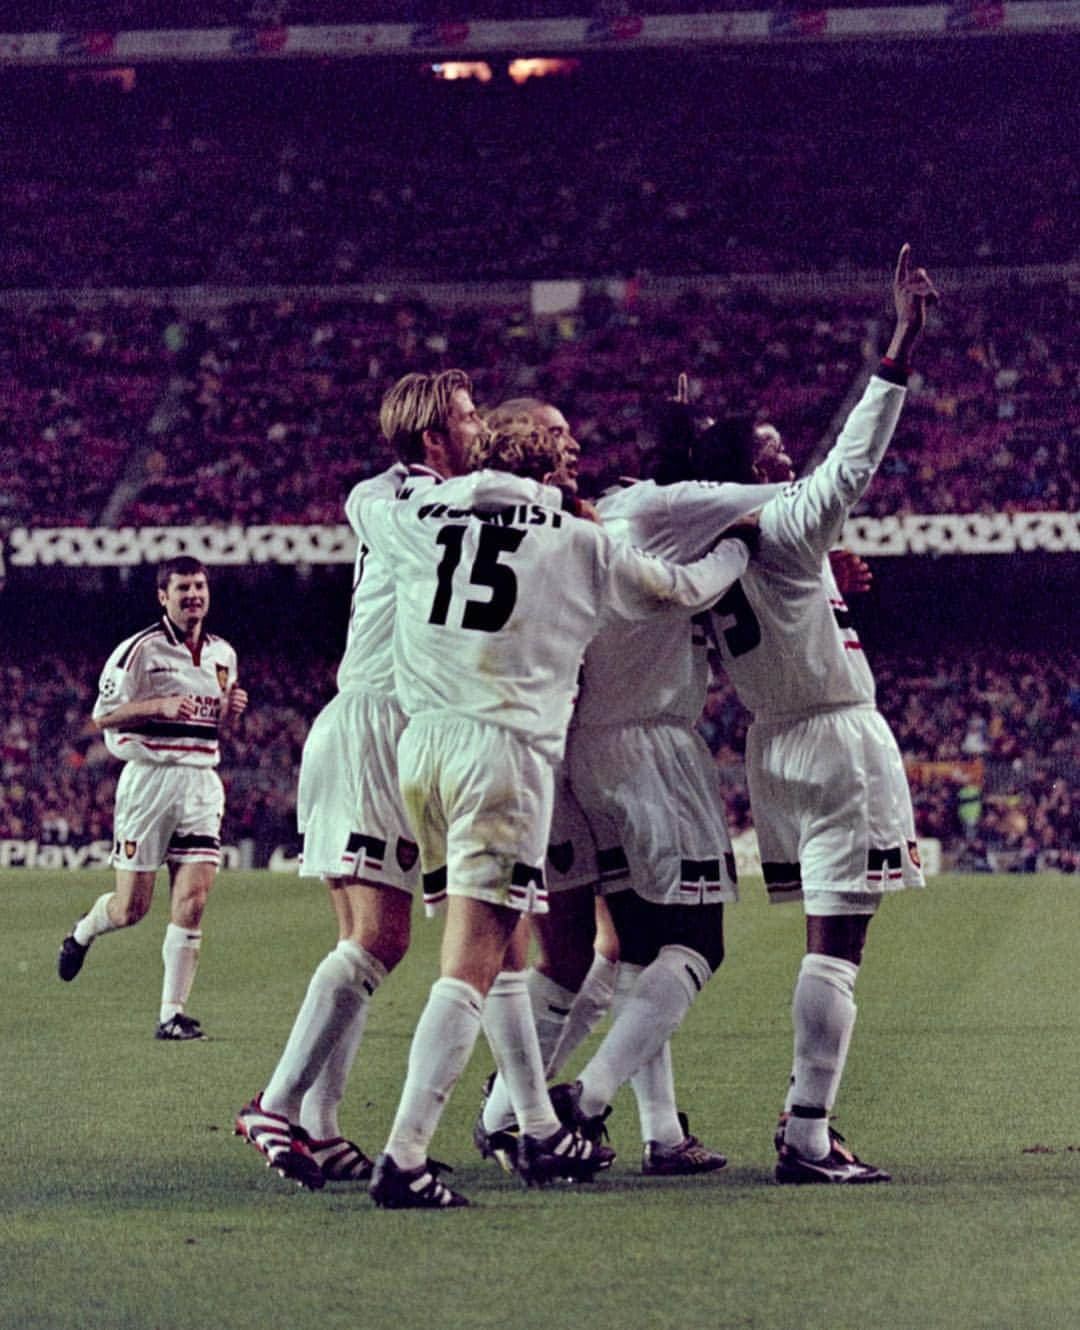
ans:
(55, 790)
(261, 412)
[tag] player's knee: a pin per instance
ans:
(388, 948)
(125, 913)
(689, 964)
(842, 936)
(710, 941)
(644, 927)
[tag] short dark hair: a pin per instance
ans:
(667, 435)
(682, 446)
(183, 565)
(725, 451)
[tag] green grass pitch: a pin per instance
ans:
(126, 1202)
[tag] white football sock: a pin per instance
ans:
(654, 1089)
(511, 1032)
(338, 991)
(95, 921)
(653, 1012)
(823, 1013)
(442, 1044)
(180, 957)
(551, 1004)
(592, 1003)
(654, 1083)
(319, 1107)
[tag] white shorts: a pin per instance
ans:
(166, 813)
(652, 797)
(348, 805)
(479, 800)
(571, 853)
(832, 811)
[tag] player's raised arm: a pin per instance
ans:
(913, 292)
(810, 515)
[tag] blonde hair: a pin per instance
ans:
(516, 444)
(416, 403)
(522, 408)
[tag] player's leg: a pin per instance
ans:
(823, 1014)
(140, 834)
(193, 855)
(572, 982)
(474, 942)
(686, 944)
(309, 1082)
(570, 985)
(125, 905)
(190, 884)
(665, 838)
(861, 804)
(571, 988)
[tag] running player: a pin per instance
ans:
(830, 800)
(163, 697)
(494, 611)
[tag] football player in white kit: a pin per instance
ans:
(163, 697)
(655, 836)
(494, 610)
(829, 797)
(356, 834)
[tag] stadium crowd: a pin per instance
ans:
(260, 412)
(996, 731)
(285, 176)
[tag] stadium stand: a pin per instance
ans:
(1007, 720)
(198, 330)
(262, 412)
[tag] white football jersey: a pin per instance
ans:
(497, 599)
(368, 661)
(158, 663)
(783, 629)
(659, 667)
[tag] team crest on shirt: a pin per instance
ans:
(562, 856)
(223, 677)
(129, 848)
(913, 853)
(406, 853)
